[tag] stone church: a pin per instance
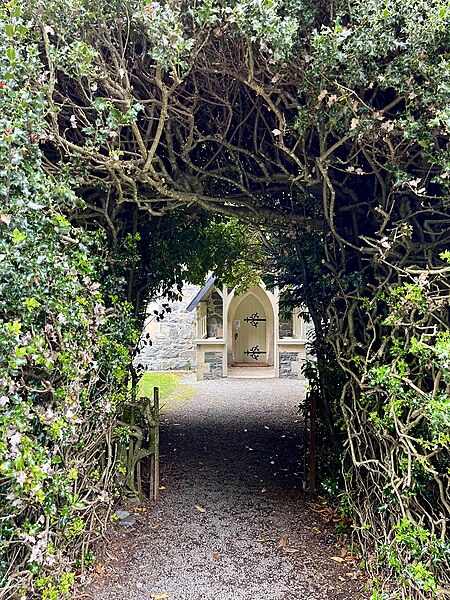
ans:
(222, 334)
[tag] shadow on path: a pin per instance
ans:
(231, 473)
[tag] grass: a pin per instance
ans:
(166, 382)
(171, 390)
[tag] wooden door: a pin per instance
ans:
(249, 332)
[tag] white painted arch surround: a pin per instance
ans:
(269, 302)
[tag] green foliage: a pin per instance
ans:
(421, 550)
(63, 350)
(173, 30)
(324, 124)
(187, 245)
(296, 266)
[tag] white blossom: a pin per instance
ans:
(103, 496)
(21, 478)
(50, 560)
(49, 414)
(14, 438)
(37, 552)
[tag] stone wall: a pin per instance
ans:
(172, 338)
(215, 362)
(290, 365)
(210, 359)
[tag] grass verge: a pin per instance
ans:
(171, 390)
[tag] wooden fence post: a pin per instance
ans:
(312, 445)
(154, 439)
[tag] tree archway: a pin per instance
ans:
(325, 125)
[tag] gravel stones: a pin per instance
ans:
(235, 451)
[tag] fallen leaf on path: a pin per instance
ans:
(155, 526)
(162, 487)
(139, 509)
(337, 559)
(99, 569)
(200, 508)
(111, 556)
(290, 550)
(281, 543)
(216, 555)
(159, 596)
(264, 540)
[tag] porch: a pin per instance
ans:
(245, 336)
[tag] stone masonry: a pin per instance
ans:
(215, 362)
(285, 328)
(172, 338)
(290, 365)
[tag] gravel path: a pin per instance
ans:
(231, 508)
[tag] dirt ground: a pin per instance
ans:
(231, 523)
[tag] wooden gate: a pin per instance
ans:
(142, 421)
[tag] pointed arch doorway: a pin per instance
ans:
(250, 332)
(251, 319)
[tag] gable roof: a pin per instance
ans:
(200, 295)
